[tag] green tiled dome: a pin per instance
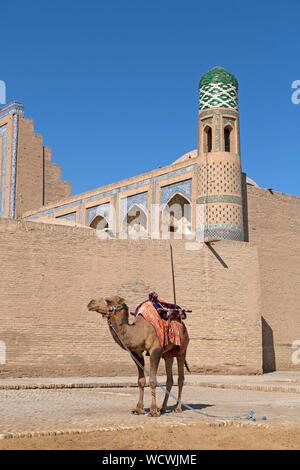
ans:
(218, 88)
(218, 75)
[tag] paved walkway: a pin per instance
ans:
(274, 381)
(73, 403)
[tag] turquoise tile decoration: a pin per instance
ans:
(3, 134)
(100, 209)
(126, 203)
(182, 187)
(13, 167)
(112, 192)
(218, 88)
(70, 216)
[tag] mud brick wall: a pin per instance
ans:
(38, 179)
(29, 185)
(50, 273)
(220, 283)
(274, 227)
(54, 188)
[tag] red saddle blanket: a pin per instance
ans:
(172, 331)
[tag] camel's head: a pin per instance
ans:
(107, 306)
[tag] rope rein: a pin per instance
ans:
(249, 416)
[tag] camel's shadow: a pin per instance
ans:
(195, 406)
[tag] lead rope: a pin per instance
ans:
(249, 415)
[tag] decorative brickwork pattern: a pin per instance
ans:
(220, 177)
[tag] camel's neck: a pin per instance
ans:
(119, 321)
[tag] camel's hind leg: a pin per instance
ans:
(154, 361)
(169, 384)
(180, 363)
(139, 409)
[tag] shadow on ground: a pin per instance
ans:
(195, 406)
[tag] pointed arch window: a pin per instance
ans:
(207, 139)
(227, 138)
(99, 222)
(177, 217)
(135, 222)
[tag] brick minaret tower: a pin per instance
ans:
(219, 176)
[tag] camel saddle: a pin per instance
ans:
(167, 320)
(165, 310)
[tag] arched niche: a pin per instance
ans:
(99, 222)
(135, 223)
(177, 217)
(228, 138)
(207, 139)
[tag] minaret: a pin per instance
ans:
(219, 178)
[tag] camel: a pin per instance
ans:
(141, 337)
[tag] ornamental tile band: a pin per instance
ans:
(219, 198)
(3, 135)
(12, 108)
(71, 216)
(221, 234)
(212, 112)
(13, 168)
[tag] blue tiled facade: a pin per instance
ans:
(3, 136)
(100, 209)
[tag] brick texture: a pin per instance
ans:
(54, 188)
(51, 272)
(38, 180)
(274, 227)
(221, 285)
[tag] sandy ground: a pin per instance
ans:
(193, 437)
(102, 413)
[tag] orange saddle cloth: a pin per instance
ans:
(172, 331)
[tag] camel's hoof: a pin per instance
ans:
(138, 411)
(154, 413)
(177, 409)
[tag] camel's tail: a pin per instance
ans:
(187, 367)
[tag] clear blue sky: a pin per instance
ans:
(112, 85)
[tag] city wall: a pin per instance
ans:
(274, 227)
(50, 273)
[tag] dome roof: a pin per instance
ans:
(218, 88)
(218, 75)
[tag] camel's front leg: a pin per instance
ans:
(169, 372)
(154, 361)
(139, 409)
(180, 363)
